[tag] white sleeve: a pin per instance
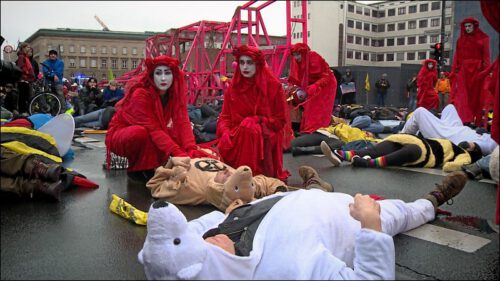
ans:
(206, 222)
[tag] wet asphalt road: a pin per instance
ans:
(79, 238)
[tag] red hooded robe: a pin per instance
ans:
(253, 119)
(144, 130)
(320, 84)
(427, 96)
(472, 55)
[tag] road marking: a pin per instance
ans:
(448, 237)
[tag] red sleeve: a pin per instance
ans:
(319, 72)
(224, 121)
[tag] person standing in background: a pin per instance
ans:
(443, 88)
(53, 71)
(27, 78)
(411, 92)
(382, 86)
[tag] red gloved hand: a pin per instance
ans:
(178, 152)
(312, 90)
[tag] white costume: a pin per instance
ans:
(308, 234)
(448, 127)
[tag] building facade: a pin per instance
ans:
(91, 53)
(388, 33)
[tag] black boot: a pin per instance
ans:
(37, 169)
(303, 150)
(51, 190)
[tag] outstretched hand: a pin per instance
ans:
(367, 211)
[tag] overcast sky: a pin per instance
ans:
(20, 19)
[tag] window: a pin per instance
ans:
(124, 63)
(381, 14)
(358, 25)
(82, 62)
(424, 7)
(93, 50)
(350, 39)
(359, 10)
(422, 23)
(447, 20)
(391, 27)
(103, 50)
(114, 63)
(435, 22)
(374, 28)
(391, 12)
(434, 38)
(411, 40)
(104, 63)
(82, 49)
(349, 55)
(435, 6)
(367, 12)
(401, 10)
(366, 26)
(446, 54)
(400, 56)
(412, 24)
(93, 63)
(366, 41)
(412, 9)
(72, 63)
(366, 56)
(380, 57)
(357, 55)
(401, 41)
(390, 57)
(422, 55)
(410, 56)
(358, 40)
(422, 39)
(71, 48)
(381, 28)
(390, 41)
(61, 49)
(350, 8)
(134, 64)
(104, 76)
(350, 23)
(373, 57)
(124, 50)
(113, 50)
(401, 25)
(294, 37)
(308, 33)
(134, 51)
(381, 42)
(308, 16)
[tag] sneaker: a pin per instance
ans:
(311, 179)
(357, 161)
(334, 159)
(452, 184)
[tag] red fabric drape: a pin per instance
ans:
(472, 55)
(253, 117)
(320, 84)
(427, 95)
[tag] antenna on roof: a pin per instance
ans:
(104, 27)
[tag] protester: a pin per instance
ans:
(443, 88)
(253, 120)
(427, 96)
(28, 77)
(53, 71)
(411, 89)
(348, 94)
(112, 94)
(382, 86)
(90, 98)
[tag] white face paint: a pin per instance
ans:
(430, 65)
(163, 77)
(469, 27)
(297, 56)
(247, 66)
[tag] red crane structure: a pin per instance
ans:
(205, 65)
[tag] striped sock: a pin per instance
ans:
(346, 154)
(378, 162)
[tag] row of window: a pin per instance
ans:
(298, 35)
(411, 24)
(104, 63)
(400, 56)
(399, 41)
(424, 7)
(93, 49)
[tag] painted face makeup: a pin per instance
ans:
(430, 65)
(469, 27)
(247, 66)
(163, 77)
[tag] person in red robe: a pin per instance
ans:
(251, 125)
(309, 71)
(427, 96)
(151, 122)
(472, 55)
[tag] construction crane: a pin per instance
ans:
(104, 27)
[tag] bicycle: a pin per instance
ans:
(44, 100)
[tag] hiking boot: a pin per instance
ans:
(37, 169)
(51, 190)
(452, 184)
(334, 159)
(473, 171)
(311, 179)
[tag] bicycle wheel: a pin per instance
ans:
(45, 103)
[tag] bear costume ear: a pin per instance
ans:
(240, 185)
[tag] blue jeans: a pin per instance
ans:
(484, 163)
(365, 123)
(381, 98)
(90, 120)
(412, 103)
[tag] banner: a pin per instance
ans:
(367, 84)
(347, 88)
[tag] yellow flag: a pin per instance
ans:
(110, 75)
(367, 83)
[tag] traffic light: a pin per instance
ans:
(438, 51)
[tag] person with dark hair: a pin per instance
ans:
(349, 93)
(449, 127)
(310, 72)
(427, 96)
(90, 97)
(411, 92)
(151, 123)
(252, 124)
(382, 86)
(53, 71)
(24, 85)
